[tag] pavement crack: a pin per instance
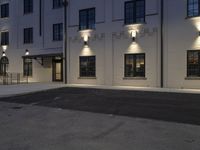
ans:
(108, 131)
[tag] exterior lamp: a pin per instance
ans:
(27, 52)
(86, 38)
(3, 54)
(134, 35)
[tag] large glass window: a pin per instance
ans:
(193, 64)
(58, 32)
(4, 10)
(4, 38)
(193, 8)
(57, 4)
(134, 12)
(28, 6)
(87, 19)
(134, 65)
(28, 35)
(27, 67)
(87, 66)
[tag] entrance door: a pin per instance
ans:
(57, 70)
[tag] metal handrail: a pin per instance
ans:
(12, 78)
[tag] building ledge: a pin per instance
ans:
(192, 17)
(192, 78)
(88, 78)
(134, 78)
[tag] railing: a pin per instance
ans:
(13, 78)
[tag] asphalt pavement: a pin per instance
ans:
(171, 107)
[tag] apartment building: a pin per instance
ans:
(148, 43)
(32, 27)
(151, 43)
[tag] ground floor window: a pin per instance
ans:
(87, 66)
(27, 67)
(134, 65)
(193, 64)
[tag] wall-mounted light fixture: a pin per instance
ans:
(27, 52)
(3, 54)
(134, 35)
(86, 39)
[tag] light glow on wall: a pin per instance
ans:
(85, 34)
(4, 47)
(134, 48)
(86, 51)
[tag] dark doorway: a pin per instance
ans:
(57, 70)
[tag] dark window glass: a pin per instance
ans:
(4, 38)
(87, 19)
(28, 6)
(134, 12)
(134, 65)
(57, 4)
(87, 66)
(4, 10)
(58, 32)
(193, 63)
(193, 8)
(27, 67)
(28, 35)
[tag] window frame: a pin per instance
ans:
(30, 10)
(87, 76)
(188, 74)
(29, 40)
(135, 13)
(87, 19)
(7, 13)
(188, 10)
(6, 42)
(134, 74)
(60, 29)
(57, 6)
(30, 63)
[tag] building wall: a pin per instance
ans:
(16, 23)
(111, 40)
(181, 34)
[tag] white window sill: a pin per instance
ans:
(88, 78)
(134, 78)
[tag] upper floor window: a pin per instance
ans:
(58, 32)
(87, 19)
(134, 12)
(134, 65)
(193, 64)
(193, 8)
(28, 6)
(5, 38)
(4, 10)
(28, 35)
(57, 4)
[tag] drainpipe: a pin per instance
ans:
(162, 42)
(65, 4)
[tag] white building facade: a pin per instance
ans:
(148, 43)
(35, 27)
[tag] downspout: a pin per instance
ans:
(65, 4)
(162, 42)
